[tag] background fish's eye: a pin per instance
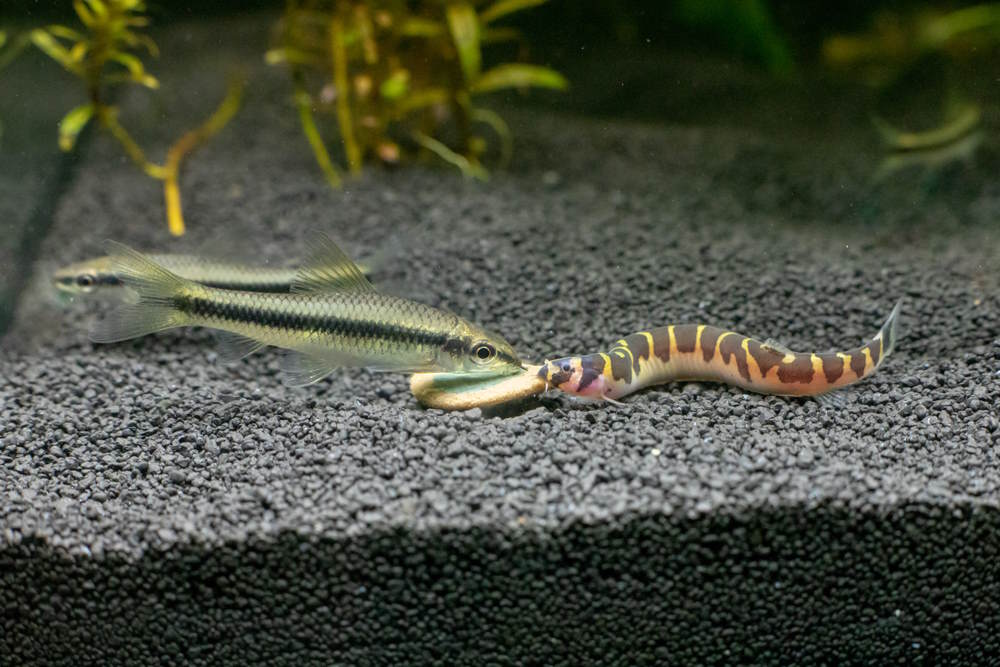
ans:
(85, 280)
(483, 352)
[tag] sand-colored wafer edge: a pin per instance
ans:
(452, 391)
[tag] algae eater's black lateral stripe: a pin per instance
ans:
(231, 312)
(270, 288)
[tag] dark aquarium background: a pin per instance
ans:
(562, 173)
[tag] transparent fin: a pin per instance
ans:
(301, 370)
(832, 399)
(775, 346)
(148, 279)
(132, 321)
(155, 288)
(233, 347)
(889, 330)
(328, 269)
(304, 368)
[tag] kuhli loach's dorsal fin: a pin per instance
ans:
(329, 269)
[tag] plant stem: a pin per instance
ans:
(303, 102)
(339, 54)
(187, 143)
(107, 117)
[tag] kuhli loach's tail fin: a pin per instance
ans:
(888, 332)
(156, 288)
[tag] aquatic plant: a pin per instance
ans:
(896, 41)
(746, 26)
(107, 53)
(401, 77)
(899, 44)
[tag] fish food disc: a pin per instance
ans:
(465, 391)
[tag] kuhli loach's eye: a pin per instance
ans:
(483, 352)
(566, 366)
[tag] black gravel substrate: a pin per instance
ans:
(159, 507)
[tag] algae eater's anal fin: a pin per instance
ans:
(156, 288)
(329, 269)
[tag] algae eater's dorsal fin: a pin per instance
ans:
(328, 269)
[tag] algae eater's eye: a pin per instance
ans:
(483, 352)
(85, 280)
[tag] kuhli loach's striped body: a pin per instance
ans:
(702, 352)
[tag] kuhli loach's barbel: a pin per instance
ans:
(703, 352)
(333, 317)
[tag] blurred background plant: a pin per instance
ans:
(746, 26)
(401, 77)
(925, 40)
(105, 52)
(896, 42)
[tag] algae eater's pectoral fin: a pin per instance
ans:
(233, 346)
(329, 269)
(300, 369)
(156, 289)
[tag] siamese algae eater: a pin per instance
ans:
(332, 317)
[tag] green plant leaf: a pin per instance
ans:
(131, 63)
(291, 56)
(468, 168)
(419, 99)
(86, 17)
(135, 40)
(745, 25)
(65, 33)
(79, 50)
(72, 124)
(464, 26)
(499, 125)
(13, 47)
(418, 27)
(3, 38)
(518, 75)
(99, 8)
(136, 69)
(48, 45)
(505, 7)
(396, 85)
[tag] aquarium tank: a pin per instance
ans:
(499, 332)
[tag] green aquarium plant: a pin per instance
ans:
(746, 26)
(107, 51)
(401, 78)
(899, 44)
(896, 41)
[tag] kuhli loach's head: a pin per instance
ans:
(580, 376)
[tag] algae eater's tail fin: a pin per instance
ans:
(157, 289)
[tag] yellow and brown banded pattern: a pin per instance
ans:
(703, 352)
